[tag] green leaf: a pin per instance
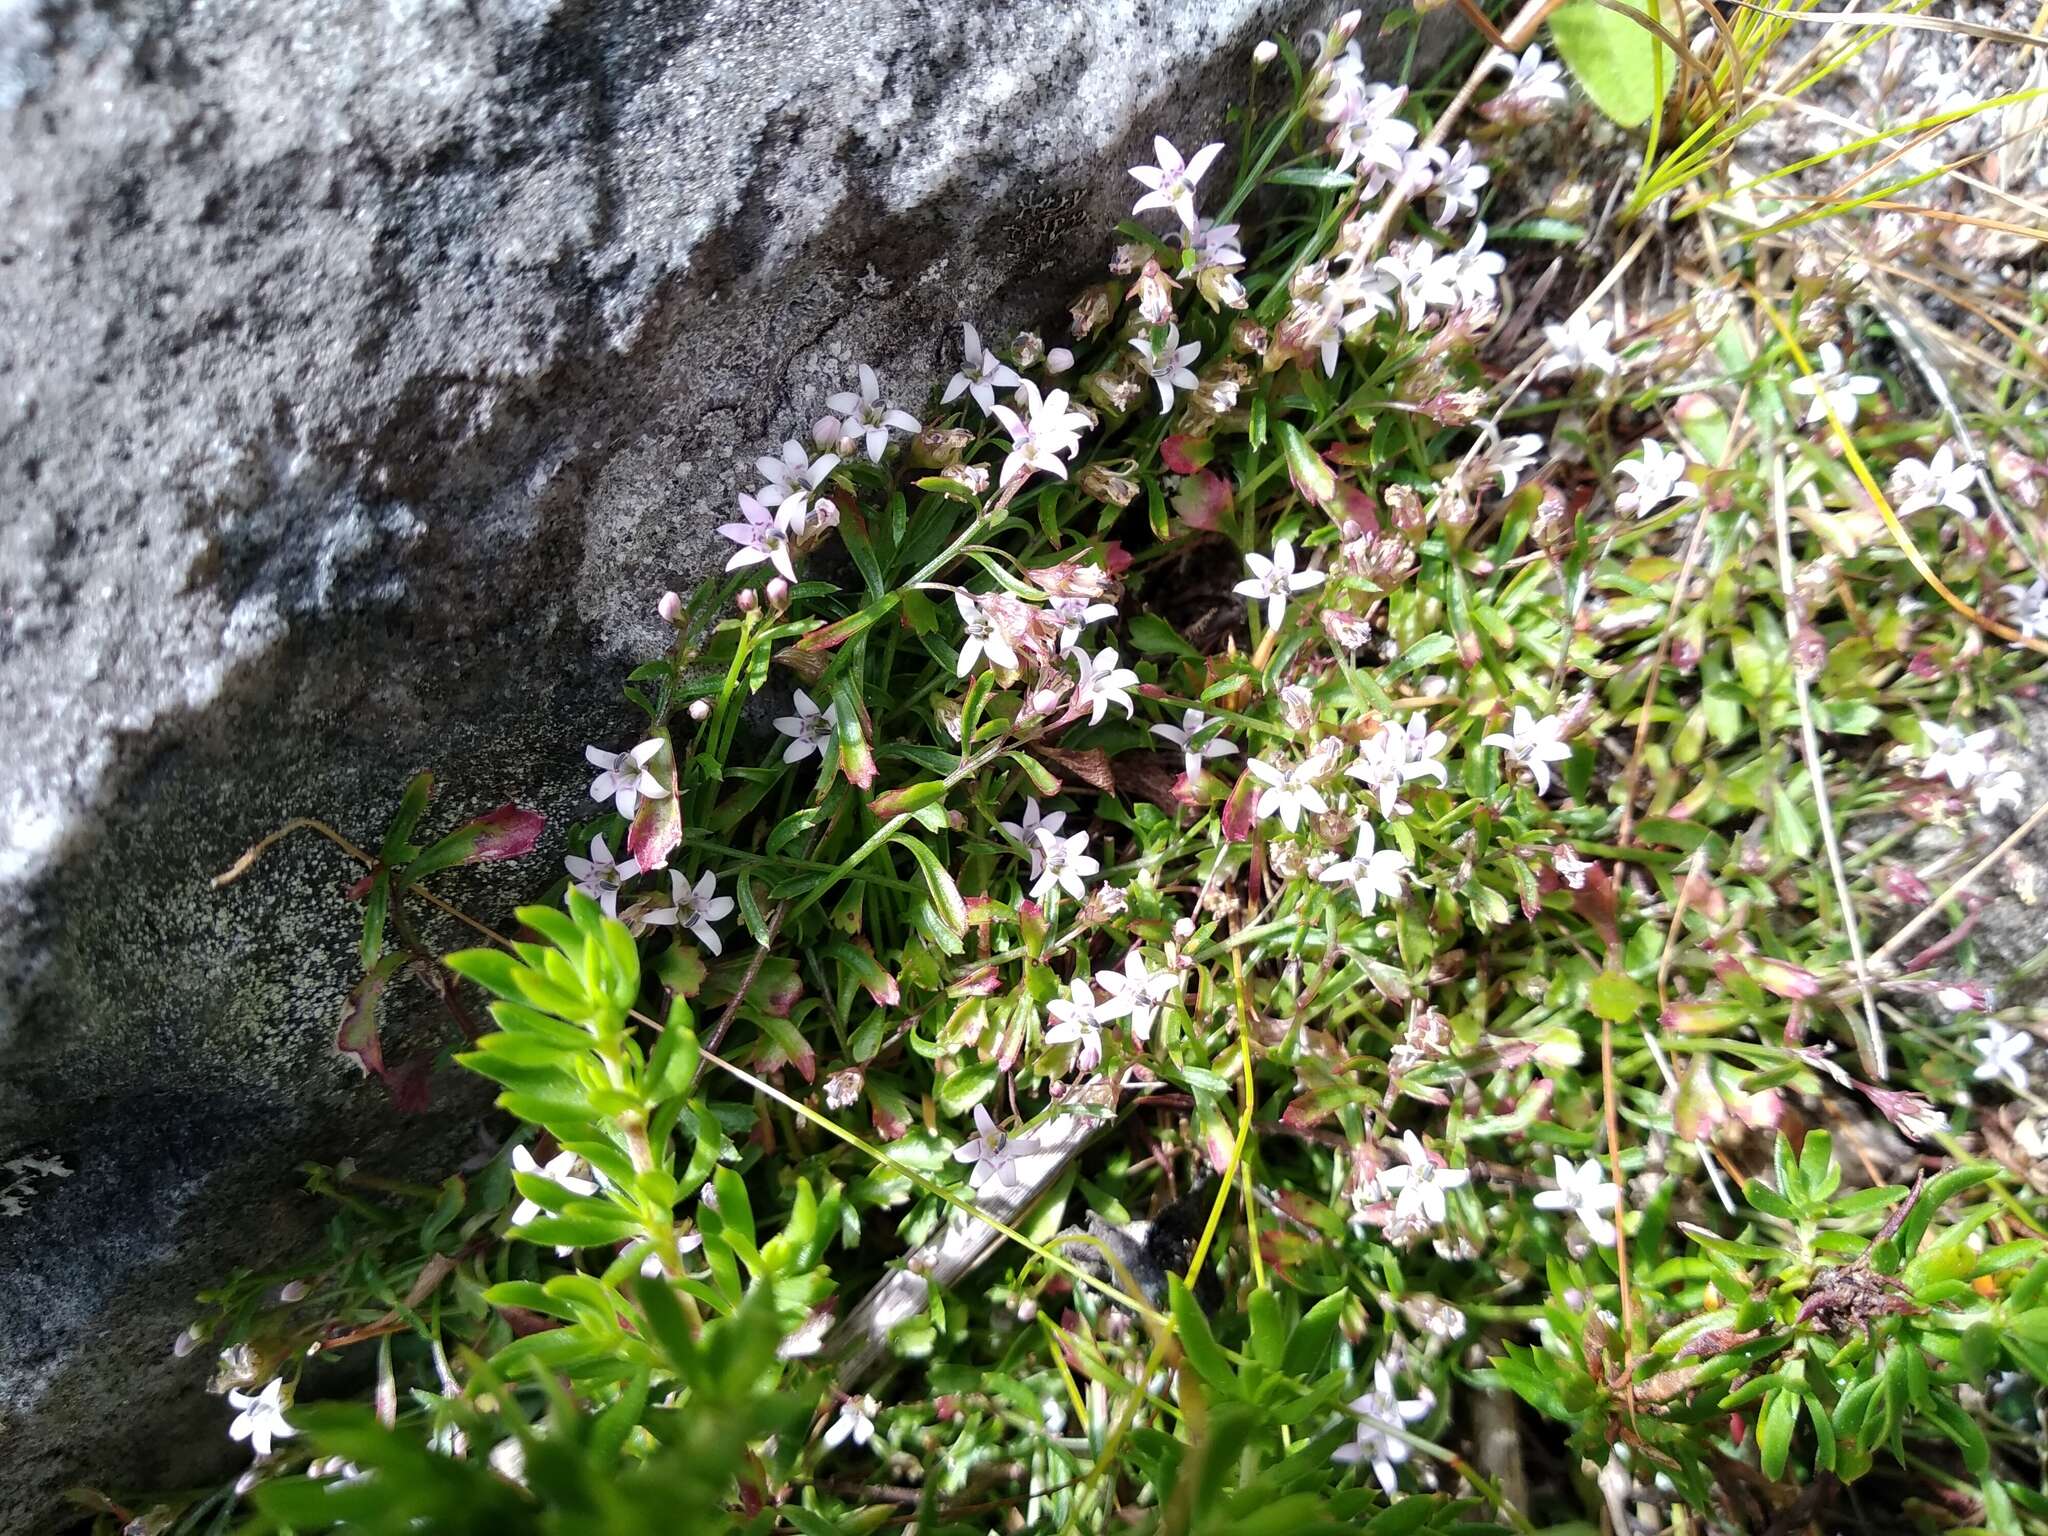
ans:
(1153, 636)
(1616, 997)
(946, 899)
(398, 848)
(968, 1087)
(1197, 1344)
(1307, 1343)
(1616, 59)
(1774, 1432)
(673, 1066)
(376, 906)
(1305, 467)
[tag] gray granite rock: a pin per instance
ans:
(366, 370)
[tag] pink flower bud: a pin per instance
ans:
(670, 607)
(747, 601)
(294, 1290)
(1058, 360)
(778, 593)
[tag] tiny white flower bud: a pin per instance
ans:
(187, 1342)
(700, 709)
(1265, 53)
(294, 1290)
(1058, 360)
(778, 593)
(670, 607)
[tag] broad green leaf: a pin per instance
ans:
(1616, 59)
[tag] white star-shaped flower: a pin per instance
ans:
(623, 777)
(1510, 458)
(1394, 757)
(2004, 1053)
(993, 1153)
(1952, 753)
(1583, 1189)
(1374, 1442)
(261, 1419)
(1102, 683)
(809, 730)
(600, 876)
(1199, 739)
(1077, 1021)
(1458, 182)
(1832, 385)
(985, 637)
(1420, 1183)
(1371, 873)
(1658, 476)
(696, 908)
(559, 1169)
(1274, 580)
(865, 415)
(1044, 436)
(1533, 742)
(1579, 345)
(1063, 863)
(982, 373)
(1137, 992)
(1167, 365)
(1025, 832)
(1288, 791)
(1074, 614)
(1171, 182)
(1937, 482)
(855, 1423)
(762, 540)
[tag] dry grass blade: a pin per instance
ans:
(1870, 1048)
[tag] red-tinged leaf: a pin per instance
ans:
(410, 1086)
(1185, 455)
(658, 824)
(856, 731)
(810, 655)
(1313, 480)
(777, 988)
(986, 982)
(681, 970)
(783, 1044)
(1090, 765)
(858, 956)
(911, 797)
(1903, 884)
(1203, 501)
(506, 833)
(1238, 817)
(1115, 558)
(1594, 901)
(1355, 506)
(1317, 1105)
(357, 1037)
(889, 1110)
(1219, 1137)
(361, 888)
(1781, 978)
